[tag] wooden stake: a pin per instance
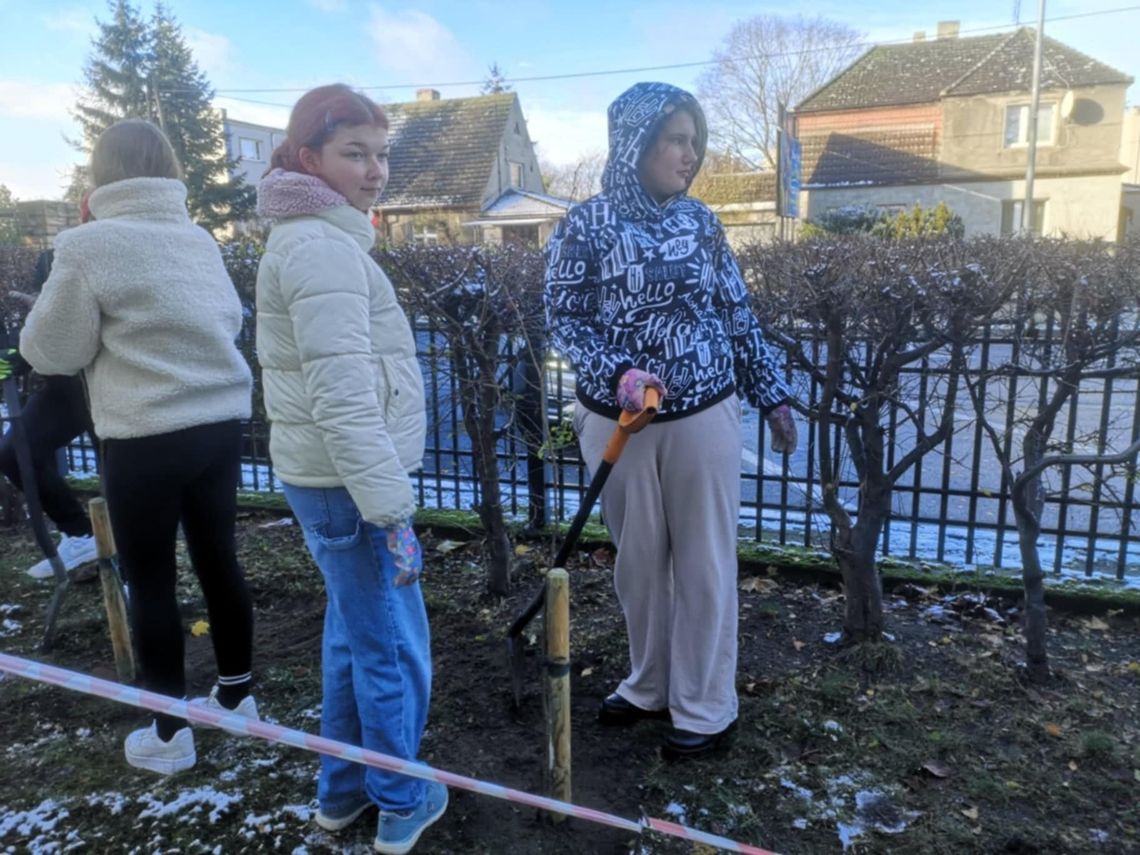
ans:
(113, 599)
(558, 685)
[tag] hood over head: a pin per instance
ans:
(635, 117)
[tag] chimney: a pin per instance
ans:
(427, 94)
(920, 35)
(948, 29)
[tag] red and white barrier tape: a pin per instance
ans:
(237, 724)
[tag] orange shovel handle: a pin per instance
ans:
(629, 424)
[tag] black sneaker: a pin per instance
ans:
(684, 744)
(616, 711)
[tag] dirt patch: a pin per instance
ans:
(928, 744)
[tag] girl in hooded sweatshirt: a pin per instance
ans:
(140, 301)
(345, 400)
(642, 291)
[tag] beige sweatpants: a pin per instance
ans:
(671, 504)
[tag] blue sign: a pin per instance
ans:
(788, 178)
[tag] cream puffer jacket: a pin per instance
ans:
(140, 301)
(343, 389)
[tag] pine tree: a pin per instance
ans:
(495, 83)
(145, 69)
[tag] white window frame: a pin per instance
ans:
(257, 147)
(1022, 109)
(511, 166)
(425, 235)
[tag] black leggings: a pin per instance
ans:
(53, 417)
(153, 483)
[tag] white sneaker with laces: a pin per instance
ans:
(145, 750)
(247, 707)
(73, 551)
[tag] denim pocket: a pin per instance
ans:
(328, 514)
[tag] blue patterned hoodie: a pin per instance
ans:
(631, 282)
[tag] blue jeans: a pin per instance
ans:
(375, 655)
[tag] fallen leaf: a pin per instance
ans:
(199, 628)
(970, 813)
(1134, 667)
(446, 546)
(1094, 668)
(759, 584)
(1053, 729)
(522, 549)
(284, 521)
(586, 672)
(602, 557)
(939, 770)
(1073, 766)
(1097, 624)
(799, 645)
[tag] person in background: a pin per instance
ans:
(55, 415)
(139, 300)
(345, 401)
(643, 291)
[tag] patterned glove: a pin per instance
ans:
(406, 551)
(783, 429)
(631, 389)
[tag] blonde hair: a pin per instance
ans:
(133, 148)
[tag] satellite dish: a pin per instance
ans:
(1067, 101)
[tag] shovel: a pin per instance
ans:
(628, 424)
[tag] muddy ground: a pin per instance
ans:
(929, 743)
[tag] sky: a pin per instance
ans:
(260, 56)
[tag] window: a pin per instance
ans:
(1017, 125)
(425, 235)
(516, 173)
(1011, 216)
(249, 149)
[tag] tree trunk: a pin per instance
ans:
(854, 550)
(1036, 655)
(480, 393)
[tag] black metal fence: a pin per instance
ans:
(953, 507)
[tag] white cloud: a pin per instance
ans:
(565, 136)
(27, 100)
(418, 48)
(213, 52)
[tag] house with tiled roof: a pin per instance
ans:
(745, 203)
(461, 170)
(464, 170)
(946, 120)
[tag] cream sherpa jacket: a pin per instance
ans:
(140, 301)
(343, 389)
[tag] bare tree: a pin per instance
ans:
(764, 62)
(1073, 327)
(477, 298)
(574, 181)
(856, 317)
(496, 82)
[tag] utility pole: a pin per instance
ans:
(1031, 136)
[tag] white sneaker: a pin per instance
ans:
(73, 551)
(145, 750)
(247, 707)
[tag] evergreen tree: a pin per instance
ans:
(495, 83)
(144, 69)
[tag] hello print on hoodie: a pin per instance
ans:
(631, 282)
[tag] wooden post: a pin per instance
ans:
(113, 598)
(558, 685)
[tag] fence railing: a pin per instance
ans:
(953, 507)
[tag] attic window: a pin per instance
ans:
(516, 173)
(1017, 125)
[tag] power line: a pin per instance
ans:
(667, 67)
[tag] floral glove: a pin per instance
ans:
(631, 389)
(406, 551)
(783, 429)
